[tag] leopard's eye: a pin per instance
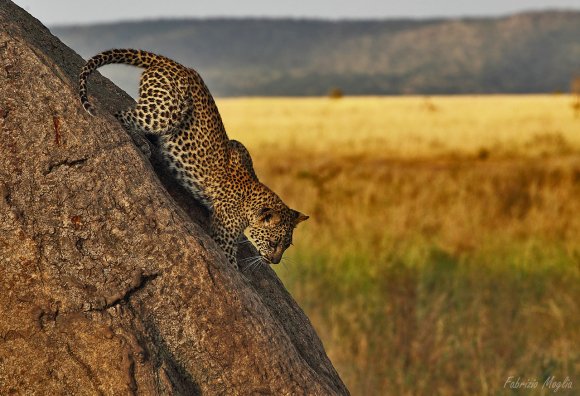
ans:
(273, 243)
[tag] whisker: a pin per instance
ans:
(244, 275)
(288, 260)
(252, 263)
(253, 267)
(249, 258)
(284, 265)
(250, 268)
(261, 260)
(246, 268)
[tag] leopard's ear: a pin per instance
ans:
(299, 217)
(302, 217)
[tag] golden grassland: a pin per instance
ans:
(407, 127)
(443, 252)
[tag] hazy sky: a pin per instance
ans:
(52, 12)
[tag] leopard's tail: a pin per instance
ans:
(126, 56)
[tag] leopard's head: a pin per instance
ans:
(271, 230)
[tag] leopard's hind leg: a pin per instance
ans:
(163, 106)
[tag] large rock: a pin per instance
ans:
(110, 284)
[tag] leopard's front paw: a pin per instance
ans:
(234, 263)
(142, 144)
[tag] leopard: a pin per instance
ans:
(176, 107)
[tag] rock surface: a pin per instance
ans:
(109, 282)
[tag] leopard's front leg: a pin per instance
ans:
(226, 238)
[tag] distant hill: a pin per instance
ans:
(522, 53)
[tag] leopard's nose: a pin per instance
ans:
(275, 258)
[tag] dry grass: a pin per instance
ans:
(443, 254)
(408, 127)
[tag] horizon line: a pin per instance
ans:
(547, 10)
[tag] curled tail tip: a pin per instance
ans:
(89, 108)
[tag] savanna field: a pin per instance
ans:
(443, 251)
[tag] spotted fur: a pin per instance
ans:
(175, 104)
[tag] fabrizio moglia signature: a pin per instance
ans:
(551, 383)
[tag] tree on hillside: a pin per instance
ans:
(575, 90)
(335, 93)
